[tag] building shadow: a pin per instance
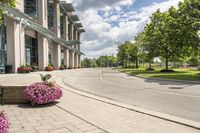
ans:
(28, 106)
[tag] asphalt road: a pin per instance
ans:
(178, 99)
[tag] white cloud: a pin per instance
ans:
(100, 4)
(102, 37)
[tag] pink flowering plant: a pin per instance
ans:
(4, 123)
(43, 92)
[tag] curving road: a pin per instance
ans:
(178, 99)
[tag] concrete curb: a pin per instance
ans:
(178, 120)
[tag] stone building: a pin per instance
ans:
(38, 33)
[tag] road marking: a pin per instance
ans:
(155, 90)
(101, 78)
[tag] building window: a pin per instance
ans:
(49, 56)
(62, 57)
(74, 34)
(50, 15)
(2, 48)
(62, 26)
(31, 50)
(31, 7)
(70, 31)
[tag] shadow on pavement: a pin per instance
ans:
(166, 82)
(28, 106)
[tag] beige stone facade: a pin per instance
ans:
(42, 32)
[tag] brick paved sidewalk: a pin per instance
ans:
(75, 113)
(28, 119)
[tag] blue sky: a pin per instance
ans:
(111, 22)
(142, 3)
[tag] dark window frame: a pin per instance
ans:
(62, 26)
(62, 57)
(31, 8)
(2, 48)
(50, 14)
(31, 44)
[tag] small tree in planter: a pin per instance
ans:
(62, 67)
(24, 69)
(4, 123)
(49, 68)
(43, 92)
(70, 67)
(35, 68)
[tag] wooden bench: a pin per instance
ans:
(1, 94)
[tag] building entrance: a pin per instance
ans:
(31, 51)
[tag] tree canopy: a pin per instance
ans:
(8, 3)
(170, 35)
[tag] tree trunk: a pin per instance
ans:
(136, 63)
(122, 64)
(167, 61)
(150, 65)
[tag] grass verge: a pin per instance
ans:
(179, 74)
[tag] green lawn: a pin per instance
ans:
(180, 74)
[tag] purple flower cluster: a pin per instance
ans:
(4, 124)
(42, 93)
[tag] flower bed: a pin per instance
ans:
(4, 123)
(24, 69)
(43, 92)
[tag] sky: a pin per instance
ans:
(110, 22)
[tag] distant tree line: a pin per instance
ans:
(102, 61)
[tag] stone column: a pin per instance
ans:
(15, 43)
(22, 45)
(57, 52)
(43, 48)
(79, 60)
(42, 7)
(66, 57)
(66, 23)
(43, 45)
(57, 31)
(70, 31)
(71, 59)
(57, 18)
(76, 60)
(79, 56)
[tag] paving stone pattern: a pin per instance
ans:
(48, 119)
